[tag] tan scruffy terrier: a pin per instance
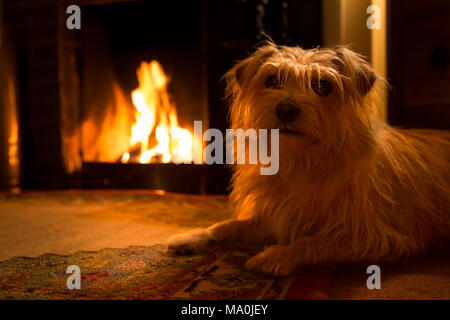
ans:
(350, 188)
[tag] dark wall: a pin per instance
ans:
(34, 29)
(419, 63)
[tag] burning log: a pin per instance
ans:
(156, 119)
(131, 156)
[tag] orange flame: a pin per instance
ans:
(156, 119)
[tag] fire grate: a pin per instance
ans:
(182, 178)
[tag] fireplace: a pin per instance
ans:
(112, 105)
(143, 84)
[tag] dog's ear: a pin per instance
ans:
(354, 67)
(239, 69)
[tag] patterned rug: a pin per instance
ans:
(148, 272)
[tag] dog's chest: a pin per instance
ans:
(288, 212)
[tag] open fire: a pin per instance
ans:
(156, 135)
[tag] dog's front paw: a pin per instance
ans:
(274, 261)
(191, 242)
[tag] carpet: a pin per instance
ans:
(132, 272)
(149, 273)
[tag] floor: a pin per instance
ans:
(30, 230)
(426, 277)
(64, 225)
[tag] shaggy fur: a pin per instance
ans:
(350, 188)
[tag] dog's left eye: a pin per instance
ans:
(321, 87)
(272, 82)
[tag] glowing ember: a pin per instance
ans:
(155, 135)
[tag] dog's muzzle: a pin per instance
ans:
(287, 111)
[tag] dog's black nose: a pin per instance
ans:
(287, 111)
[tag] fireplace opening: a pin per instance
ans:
(143, 84)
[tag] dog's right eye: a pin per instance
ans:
(272, 82)
(321, 87)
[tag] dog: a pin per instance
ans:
(350, 188)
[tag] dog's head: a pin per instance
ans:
(318, 98)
